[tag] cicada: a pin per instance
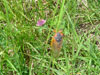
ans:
(56, 43)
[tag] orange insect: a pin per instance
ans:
(56, 43)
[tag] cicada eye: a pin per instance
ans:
(54, 31)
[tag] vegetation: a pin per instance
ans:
(25, 47)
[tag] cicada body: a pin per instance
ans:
(56, 43)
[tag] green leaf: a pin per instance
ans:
(2, 16)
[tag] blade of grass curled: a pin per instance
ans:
(61, 15)
(13, 66)
(52, 22)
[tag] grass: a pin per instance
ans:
(25, 47)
